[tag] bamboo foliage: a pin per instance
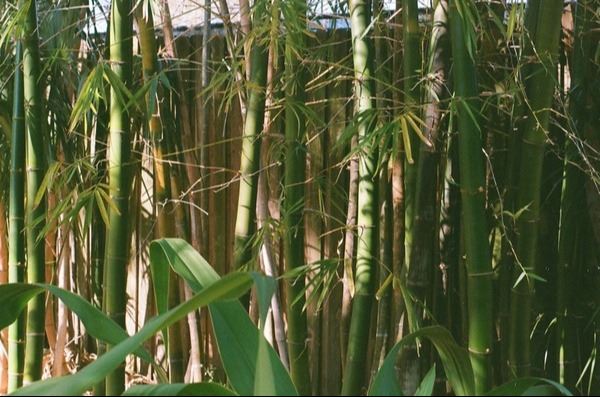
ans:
(468, 122)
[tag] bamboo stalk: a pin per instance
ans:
(472, 182)
(367, 220)
(35, 213)
(543, 21)
(189, 149)
(349, 250)
(120, 179)
(271, 269)
(162, 177)
(293, 202)
(97, 239)
(425, 207)
(384, 309)
(573, 203)
(16, 225)
(3, 280)
(411, 73)
(250, 157)
(246, 27)
(335, 204)
(63, 281)
(398, 197)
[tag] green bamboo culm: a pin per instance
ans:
(411, 75)
(367, 221)
(119, 174)
(98, 228)
(543, 22)
(162, 174)
(472, 182)
(245, 223)
(293, 201)
(424, 209)
(35, 211)
(573, 202)
(16, 225)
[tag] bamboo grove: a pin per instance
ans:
(300, 197)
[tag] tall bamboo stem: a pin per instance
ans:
(250, 160)
(3, 280)
(411, 72)
(16, 225)
(367, 221)
(162, 177)
(541, 46)
(35, 213)
(472, 182)
(293, 203)
(573, 203)
(119, 171)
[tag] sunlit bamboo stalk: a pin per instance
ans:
(367, 220)
(35, 213)
(120, 178)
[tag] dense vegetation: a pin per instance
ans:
(392, 199)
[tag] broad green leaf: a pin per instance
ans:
(267, 385)
(159, 271)
(385, 382)
(180, 389)
(229, 287)
(454, 358)
(426, 386)
(527, 386)
(238, 339)
(14, 299)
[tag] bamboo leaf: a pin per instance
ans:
(101, 206)
(14, 299)
(406, 140)
(237, 337)
(523, 386)
(267, 384)
(90, 92)
(229, 287)
(410, 117)
(454, 358)
(384, 286)
(46, 182)
(426, 386)
(180, 389)
(385, 382)
(512, 22)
